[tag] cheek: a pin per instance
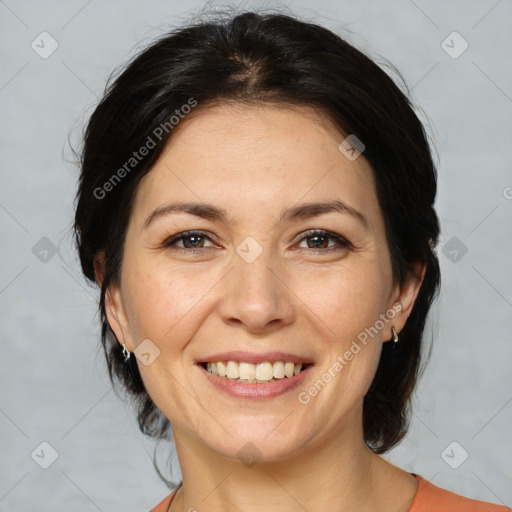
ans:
(164, 304)
(164, 307)
(346, 300)
(346, 304)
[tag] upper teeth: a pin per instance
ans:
(247, 371)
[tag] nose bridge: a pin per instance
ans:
(253, 270)
(254, 292)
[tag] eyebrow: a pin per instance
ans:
(300, 212)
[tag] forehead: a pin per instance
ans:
(246, 157)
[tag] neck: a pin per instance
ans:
(337, 475)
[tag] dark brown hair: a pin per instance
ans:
(254, 58)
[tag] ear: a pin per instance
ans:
(114, 307)
(402, 300)
(117, 318)
(99, 267)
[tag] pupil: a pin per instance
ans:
(317, 237)
(192, 237)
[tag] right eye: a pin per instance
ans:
(191, 240)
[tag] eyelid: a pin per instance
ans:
(342, 241)
(169, 241)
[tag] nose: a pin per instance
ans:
(257, 295)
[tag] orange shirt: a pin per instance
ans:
(429, 498)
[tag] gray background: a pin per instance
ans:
(53, 380)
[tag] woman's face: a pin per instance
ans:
(252, 280)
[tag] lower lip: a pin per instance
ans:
(255, 391)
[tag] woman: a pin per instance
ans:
(256, 202)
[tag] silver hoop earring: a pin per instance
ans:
(126, 353)
(395, 335)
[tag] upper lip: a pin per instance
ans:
(255, 357)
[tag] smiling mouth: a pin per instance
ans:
(260, 373)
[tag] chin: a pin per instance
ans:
(257, 447)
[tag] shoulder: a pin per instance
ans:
(163, 506)
(427, 497)
(431, 498)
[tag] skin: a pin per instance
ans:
(297, 296)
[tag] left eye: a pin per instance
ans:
(315, 239)
(319, 239)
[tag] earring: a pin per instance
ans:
(126, 353)
(395, 335)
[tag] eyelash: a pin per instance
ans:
(343, 243)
